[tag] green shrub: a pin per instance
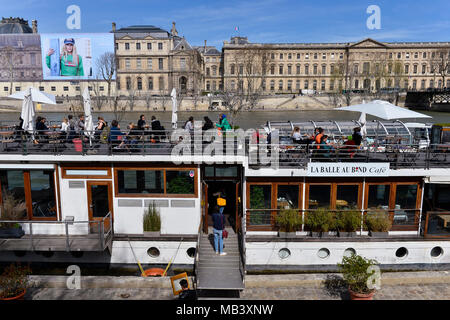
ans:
(320, 220)
(289, 220)
(152, 219)
(355, 272)
(11, 209)
(14, 280)
(378, 221)
(348, 221)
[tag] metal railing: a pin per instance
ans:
(242, 250)
(104, 237)
(197, 247)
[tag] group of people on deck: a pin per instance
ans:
(321, 143)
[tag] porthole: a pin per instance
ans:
(349, 252)
(19, 253)
(401, 253)
(191, 252)
(323, 253)
(77, 254)
(437, 252)
(284, 253)
(153, 252)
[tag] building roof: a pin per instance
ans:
(14, 25)
(19, 41)
(141, 31)
(210, 51)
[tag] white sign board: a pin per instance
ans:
(321, 169)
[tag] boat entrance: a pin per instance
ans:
(227, 181)
(99, 203)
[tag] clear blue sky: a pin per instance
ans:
(261, 21)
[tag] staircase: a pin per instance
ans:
(215, 273)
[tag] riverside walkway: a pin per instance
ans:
(426, 285)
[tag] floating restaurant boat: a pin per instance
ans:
(85, 201)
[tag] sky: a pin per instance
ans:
(263, 21)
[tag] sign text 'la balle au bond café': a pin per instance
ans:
(348, 169)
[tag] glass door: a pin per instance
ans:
(99, 204)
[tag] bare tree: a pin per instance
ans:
(148, 100)
(106, 68)
(98, 99)
(118, 109)
(440, 64)
(7, 62)
(233, 100)
(131, 99)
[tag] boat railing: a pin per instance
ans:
(197, 247)
(84, 233)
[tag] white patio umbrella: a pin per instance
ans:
(362, 121)
(174, 108)
(88, 123)
(29, 96)
(385, 110)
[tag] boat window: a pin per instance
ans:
(406, 197)
(260, 198)
(141, 181)
(378, 196)
(180, 182)
(347, 197)
(11, 183)
(319, 196)
(287, 197)
(43, 193)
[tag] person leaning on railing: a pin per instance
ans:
(115, 133)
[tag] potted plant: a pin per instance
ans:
(152, 220)
(320, 221)
(11, 210)
(14, 282)
(348, 222)
(355, 271)
(289, 221)
(378, 224)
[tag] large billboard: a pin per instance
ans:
(74, 56)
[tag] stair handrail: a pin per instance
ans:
(242, 250)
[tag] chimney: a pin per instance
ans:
(34, 25)
(205, 47)
(114, 27)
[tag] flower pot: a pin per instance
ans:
(379, 234)
(361, 296)
(18, 297)
(11, 233)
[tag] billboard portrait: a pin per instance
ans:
(73, 56)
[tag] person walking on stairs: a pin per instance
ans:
(218, 227)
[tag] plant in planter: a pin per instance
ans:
(14, 282)
(152, 219)
(348, 222)
(357, 272)
(289, 221)
(12, 210)
(378, 223)
(320, 221)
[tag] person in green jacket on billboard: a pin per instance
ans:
(71, 63)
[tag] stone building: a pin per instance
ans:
(213, 68)
(20, 53)
(367, 65)
(152, 61)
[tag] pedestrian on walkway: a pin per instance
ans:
(218, 227)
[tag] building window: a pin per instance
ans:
(207, 72)
(17, 88)
(150, 83)
(241, 69)
(316, 56)
(356, 84)
(307, 56)
(414, 84)
(297, 84)
(298, 56)
(407, 55)
(232, 69)
(127, 46)
(161, 83)
(261, 199)
(332, 69)
(102, 88)
(416, 55)
(66, 88)
(322, 87)
(53, 88)
(315, 85)
(399, 55)
(138, 63)
(118, 83)
(424, 68)
(116, 46)
(324, 69)
(331, 85)
(41, 88)
(208, 87)
(315, 69)
(423, 84)
(289, 85)
(138, 46)
(289, 56)
(355, 69)
(324, 56)
(160, 46)
(280, 69)
(214, 70)
(139, 83)
(307, 69)
(281, 56)
(5, 89)
(280, 85)
(149, 46)
(424, 55)
(416, 67)
(127, 63)
(306, 86)
(160, 63)
(289, 69)
(128, 83)
(272, 85)
(182, 63)
(149, 64)
(232, 84)
(272, 69)
(366, 67)
(298, 69)
(406, 68)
